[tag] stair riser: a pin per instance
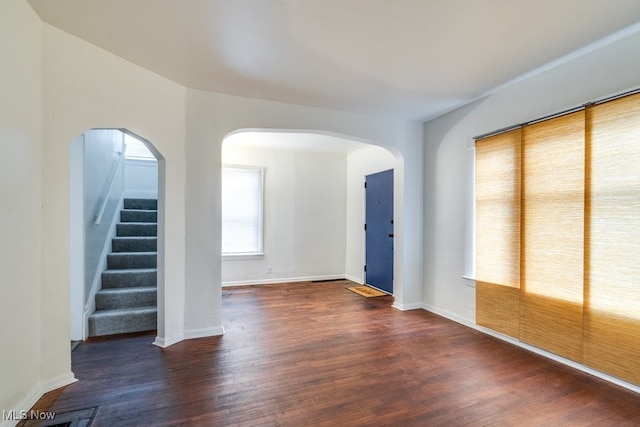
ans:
(143, 244)
(126, 229)
(127, 299)
(148, 204)
(116, 279)
(122, 324)
(138, 216)
(120, 261)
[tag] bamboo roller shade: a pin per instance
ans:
(558, 235)
(553, 235)
(498, 232)
(612, 286)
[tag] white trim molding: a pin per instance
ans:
(213, 331)
(36, 393)
(407, 307)
(166, 342)
(189, 334)
(354, 279)
(284, 280)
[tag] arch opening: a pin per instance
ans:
(106, 181)
(313, 203)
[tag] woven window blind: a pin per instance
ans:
(498, 232)
(612, 288)
(553, 235)
(558, 235)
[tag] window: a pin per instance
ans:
(558, 242)
(135, 149)
(242, 210)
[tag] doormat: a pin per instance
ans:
(366, 291)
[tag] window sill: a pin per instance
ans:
(242, 257)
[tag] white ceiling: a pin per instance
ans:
(411, 59)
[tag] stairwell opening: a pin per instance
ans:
(117, 234)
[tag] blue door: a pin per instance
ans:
(379, 230)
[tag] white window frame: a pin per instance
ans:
(258, 253)
(470, 217)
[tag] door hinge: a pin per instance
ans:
(365, 268)
(365, 227)
(365, 185)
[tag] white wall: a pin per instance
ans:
(141, 178)
(103, 149)
(304, 216)
(612, 68)
(360, 163)
(85, 87)
(20, 217)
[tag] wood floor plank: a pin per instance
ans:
(317, 354)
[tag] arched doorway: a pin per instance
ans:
(115, 233)
(314, 187)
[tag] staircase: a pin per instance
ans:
(127, 301)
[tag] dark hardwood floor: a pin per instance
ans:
(315, 354)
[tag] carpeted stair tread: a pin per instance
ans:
(122, 320)
(129, 277)
(139, 215)
(128, 298)
(108, 299)
(149, 204)
(128, 260)
(134, 244)
(130, 229)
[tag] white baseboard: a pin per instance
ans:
(283, 280)
(213, 331)
(407, 307)
(354, 279)
(472, 324)
(189, 334)
(451, 316)
(166, 342)
(36, 393)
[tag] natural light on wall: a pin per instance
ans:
(242, 210)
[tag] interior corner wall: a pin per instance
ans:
(610, 69)
(85, 87)
(20, 190)
(303, 220)
(360, 163)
